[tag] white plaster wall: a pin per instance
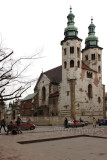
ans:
(70, 73)
(91, 106)
(44, 82)
(93, 64)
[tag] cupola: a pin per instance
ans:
(91, 41)
(70, 31)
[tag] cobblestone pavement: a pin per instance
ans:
(10, 149)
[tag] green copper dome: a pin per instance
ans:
(71, 27)
(91, 37)
(91, 40)
(70, 31)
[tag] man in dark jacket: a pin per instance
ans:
(18, 124)
(2, 124)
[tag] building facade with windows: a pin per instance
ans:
(75, 88)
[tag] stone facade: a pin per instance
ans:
(74, 89)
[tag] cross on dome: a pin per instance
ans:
(91, 19)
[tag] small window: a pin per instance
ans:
(78, 52)
(99, 69)
(99, 100)
(78, 64)
(71, 50)
(90, 91)
(67, 93)
(65, 64)
(71, 64)
(64, 51)
(93, 56)
(86, 57)
(43, 93)
(99, 57)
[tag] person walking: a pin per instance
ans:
(75, 123)
(66, 122)
(94, 122)
(18, 124)
(2, 125)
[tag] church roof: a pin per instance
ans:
(84, 66)
(55, 74)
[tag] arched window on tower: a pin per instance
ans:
(99, 69)
(71, 64)
(90, 91)
(78, 64)
(71, 50)
(64, 51)
(65, 64)
(99, 100)
(43, 93)
(78, 52)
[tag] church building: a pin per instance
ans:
(75, 88)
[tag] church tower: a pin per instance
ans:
(71, 50)
(92, 53)
(71, 66)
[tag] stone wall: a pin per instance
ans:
(46, 121)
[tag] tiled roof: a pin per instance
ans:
(84, 66)
(55, 74)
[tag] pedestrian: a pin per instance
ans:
(18, 124)
(81, 120)
(94, 122)
(75, 123)
(2, 125)
(11, 128)
(66, 122)
(98, 120)
(29, 120)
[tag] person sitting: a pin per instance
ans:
(11, 128)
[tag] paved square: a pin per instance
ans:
(81, 148)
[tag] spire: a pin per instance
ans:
(70, 9)
(91, 20)
(91, 40)
(91, 28)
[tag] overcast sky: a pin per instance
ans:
(30, 25)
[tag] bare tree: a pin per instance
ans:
(13, 82)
